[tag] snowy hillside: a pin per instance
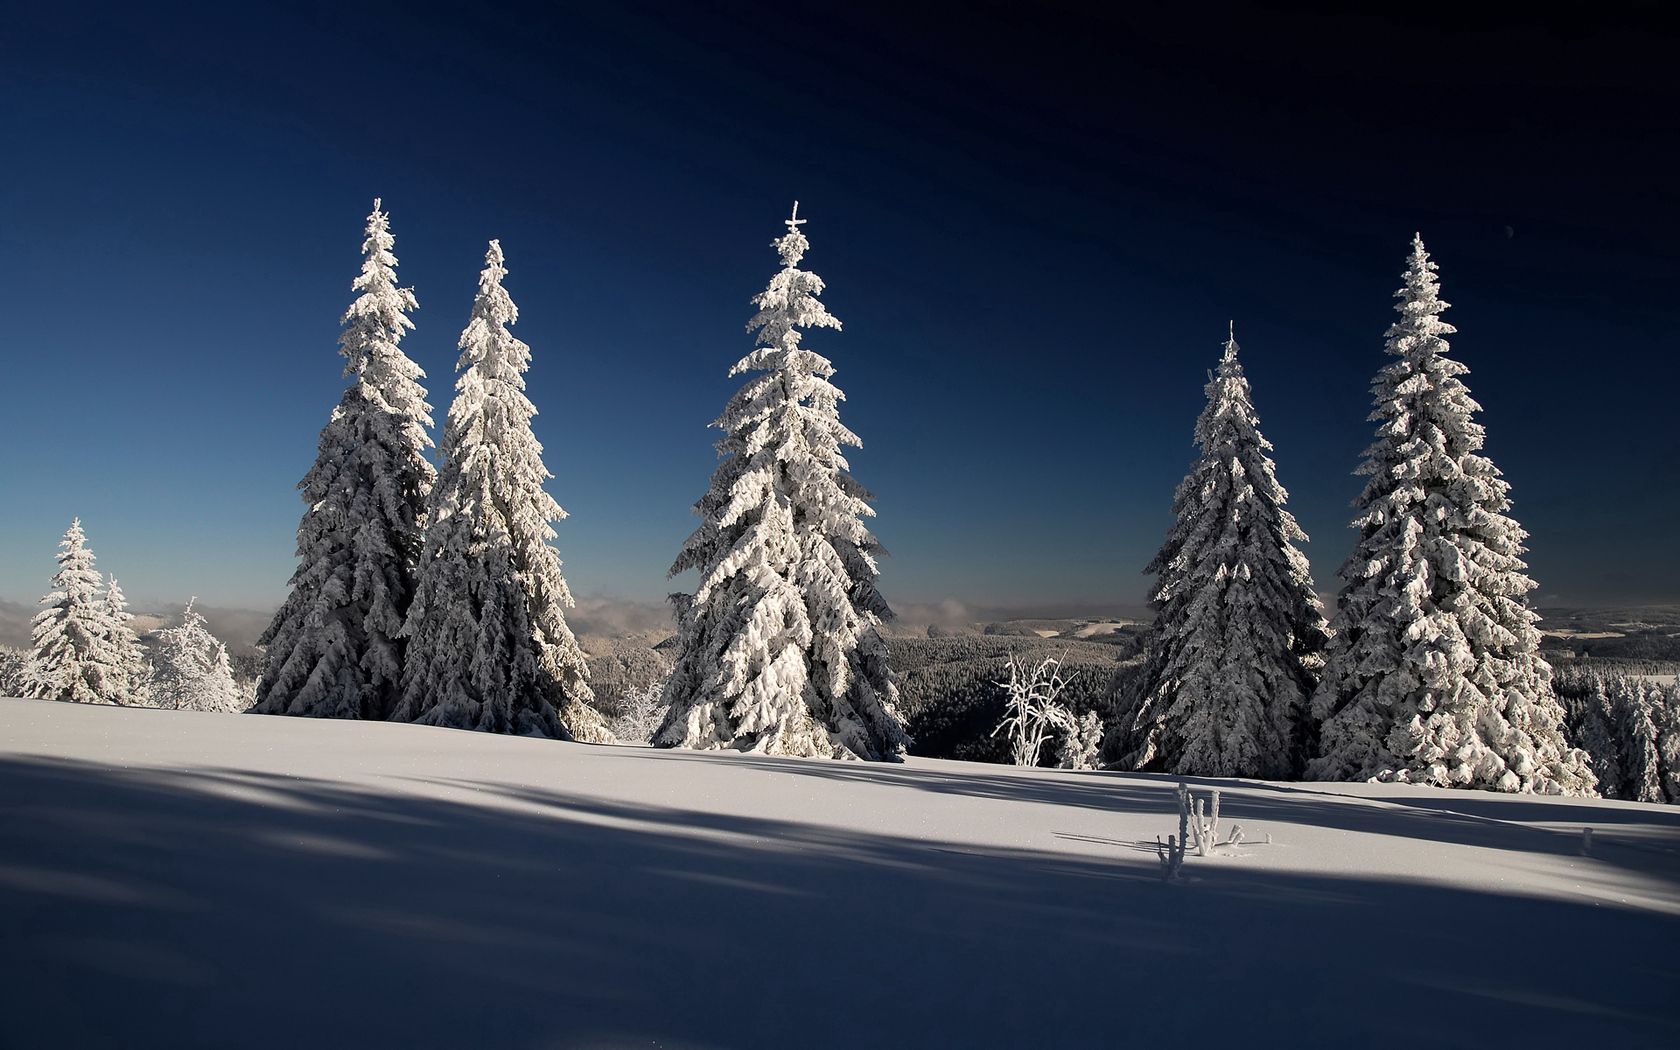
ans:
(184, 879)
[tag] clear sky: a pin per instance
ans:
(1034, 223)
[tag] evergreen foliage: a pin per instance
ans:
(779, 647)
(333, 649)
(75, 650)
(133, 674)
(192, 670)
(1238, 638)
(1434, 672)
(489, 648)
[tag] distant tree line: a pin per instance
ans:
(1630, 725)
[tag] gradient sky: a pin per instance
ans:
(1034, 224)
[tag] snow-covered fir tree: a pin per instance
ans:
(1636, 704)
(14, 667)
(1591, 724)
(1434, 669)
(1239, 634)
(779, 647)
(73, 651)
(1668, 743)
(191, 668)
(489, 648)
(333, 649)
(134, 673)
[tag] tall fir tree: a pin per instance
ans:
(334, 649)
(1434, 671)
(489, 648)
(779, 647)
(133, 672)
(193, 673)
(72, 652)
(1239, 634)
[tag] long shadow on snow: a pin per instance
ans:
(1624, 839)
(151, 908)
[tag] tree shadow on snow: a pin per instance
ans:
(153, 908)
(1632, 837)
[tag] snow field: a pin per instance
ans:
(213, 880)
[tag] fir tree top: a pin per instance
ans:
(492, 416)
(374, 325)
(75, 587)
(1421, 405)
(787, 306)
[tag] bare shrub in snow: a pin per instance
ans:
(1032, 715)
(1198, 826)
(1171, 851)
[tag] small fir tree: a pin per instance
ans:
(1668, 743)
(1592, 726)
(1434, 669)
(1636, 706)
(14, 668)
(72, 652)
(779, 647)
(333, 649)
(192, 671)
(1238, 638)
(133, 673)
(489, 648)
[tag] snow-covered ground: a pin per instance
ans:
(1099, 630)
(183, 879)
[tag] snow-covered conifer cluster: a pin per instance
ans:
(422, 596)
(779, 647)
(1239, 634)
(192, 668)
(1430, 672)
(1434, 670)
(83, 648)
(1629, 725)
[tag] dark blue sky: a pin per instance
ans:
(1033, 222)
